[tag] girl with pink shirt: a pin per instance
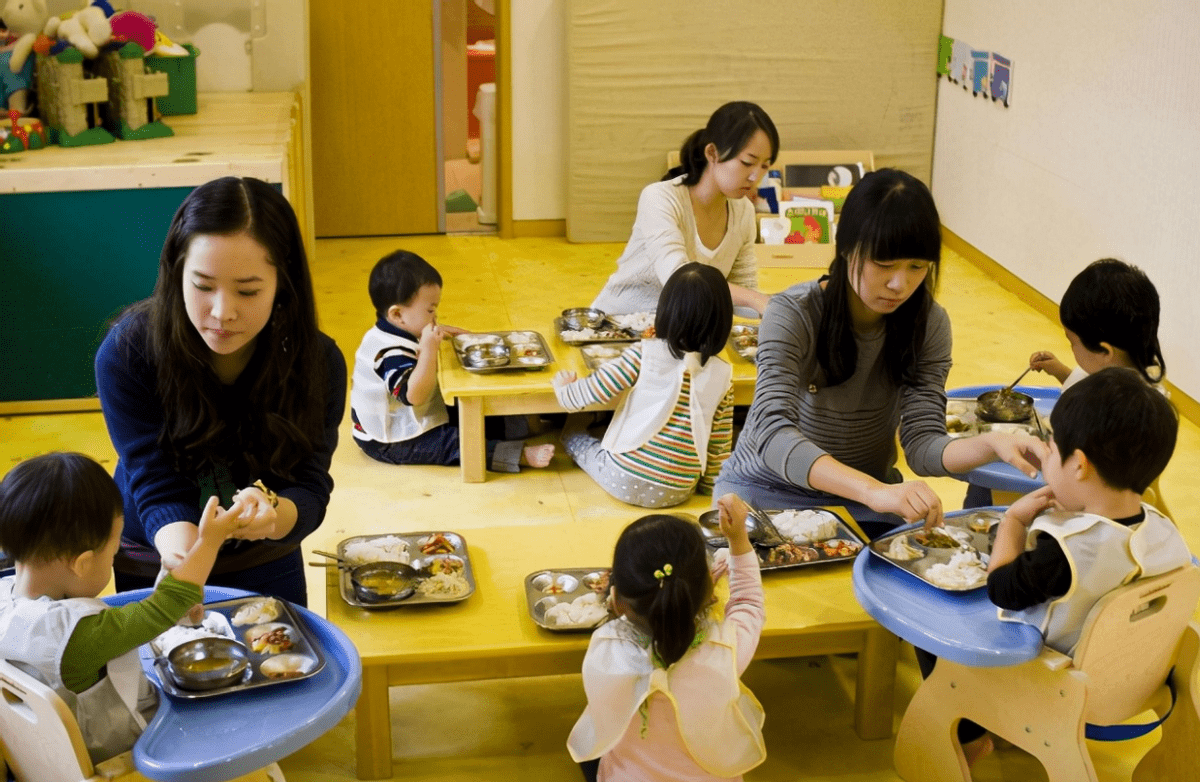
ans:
(665, 697)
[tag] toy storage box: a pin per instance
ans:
(181, 74)
(812, 256)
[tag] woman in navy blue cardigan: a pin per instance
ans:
(221, 384)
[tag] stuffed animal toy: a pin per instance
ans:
(23, 20)
(87, 29)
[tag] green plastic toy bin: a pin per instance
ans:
(181, 74)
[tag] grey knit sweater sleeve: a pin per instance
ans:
(795, 419)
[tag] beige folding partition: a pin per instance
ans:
(853, 74)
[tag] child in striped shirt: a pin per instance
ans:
(672, 430)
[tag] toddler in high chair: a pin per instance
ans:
(665, 698)
(399, 416)
(60, 520)
(1061, 548)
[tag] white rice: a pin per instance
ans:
(805, 526)
(634, 321)
(387, 548)
(583, 611)
(964, 571)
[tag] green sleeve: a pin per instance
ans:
(114, 631)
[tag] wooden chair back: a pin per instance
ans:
(1123, 674)
(39, 735)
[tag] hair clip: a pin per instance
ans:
(662, 574)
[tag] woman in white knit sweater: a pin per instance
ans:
(700, 212)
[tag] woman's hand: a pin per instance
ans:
(257, 515)
(1023, 451)
(563, 377)
(732, 514)
(216, 523)
(1045, 361)
(911, 500)
(453, 331)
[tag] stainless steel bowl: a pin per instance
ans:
(578, 318)
(207, 663)
(481, 356)
(380, 582)
(1003, 406)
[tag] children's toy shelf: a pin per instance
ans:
(83, 228)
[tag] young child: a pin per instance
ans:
(1112, 436)
(61, 520)
(665, 701)
(398, 412)
(672, 432)
(1110, 315)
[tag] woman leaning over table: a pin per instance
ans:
(700, 212)
(221, 384)
(846, 360)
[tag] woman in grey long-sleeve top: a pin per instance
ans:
(846, 360)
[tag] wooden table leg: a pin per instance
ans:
(874, 692)
(373, 725)
(471, 444)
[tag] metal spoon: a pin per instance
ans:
(1018, 380)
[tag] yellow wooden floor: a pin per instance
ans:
(517, 728)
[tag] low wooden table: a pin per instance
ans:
(810, 611)
(529, 393)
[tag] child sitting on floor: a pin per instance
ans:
(61, 520)
(1110, 315)
(665, 698)
(673, 430)
(398, 412)
(1061, 548)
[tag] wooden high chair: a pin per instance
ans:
(1133, 639)
(41, 741)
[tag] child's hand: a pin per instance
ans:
(1026, 509)
(431, 337)
(733, 514)
(1045, 361)
(216, 523)
(564, 377)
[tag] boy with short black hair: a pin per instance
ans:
(398, 414)
(61, 520)
(1061, 548)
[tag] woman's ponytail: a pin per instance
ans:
(692, 161)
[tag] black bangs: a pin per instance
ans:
(902, 227)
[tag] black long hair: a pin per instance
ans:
(695, 311)
(729, 129)
(1112, 301)
(280, 419)
(889, 215)
(660, 570)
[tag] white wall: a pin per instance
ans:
(539, 109)
(1098, 155)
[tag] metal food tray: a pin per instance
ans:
(592, 357)
(540, 360)
(610, 332)
(418, 560)
(738, 336)
(853, 542)
(563, 585)
(302, 644)
(964, 411)
(981, 524)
